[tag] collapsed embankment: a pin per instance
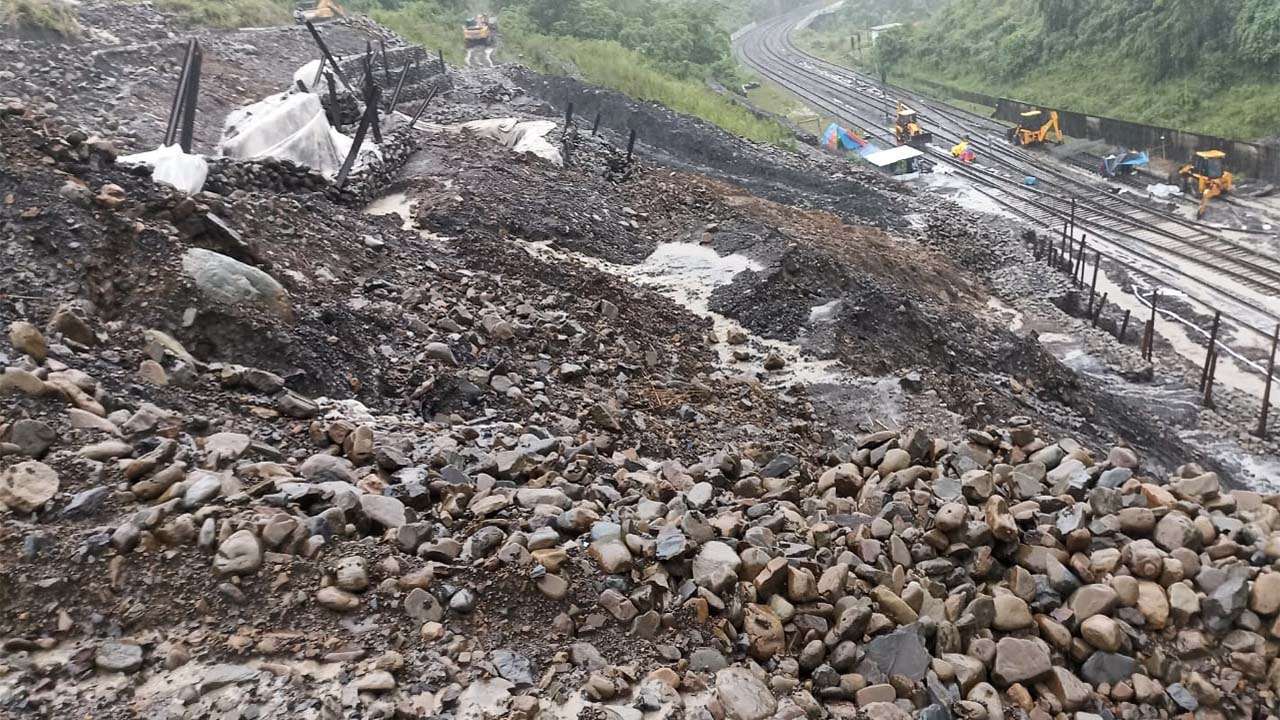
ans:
(468, 466)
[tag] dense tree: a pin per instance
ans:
(1257, 32)
(1058, 14)
(684, 37)
(890, 48)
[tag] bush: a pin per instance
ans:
(39, 16)
(229, 13)
(607, 63)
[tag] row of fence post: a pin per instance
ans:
(1067, 257)
(370, 92)
(569, 136)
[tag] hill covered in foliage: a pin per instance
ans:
(1207, 66)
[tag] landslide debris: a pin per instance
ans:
(263, 454)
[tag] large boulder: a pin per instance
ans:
(27, 486)
(743, 696)
(228, 281)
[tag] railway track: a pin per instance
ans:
(1215, 270)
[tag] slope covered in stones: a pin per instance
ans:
(265, 453)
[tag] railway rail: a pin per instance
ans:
(1211, 269)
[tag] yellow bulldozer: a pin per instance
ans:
(478, 32)
(908, 130)
(1205, 177)
(1036, 127)
(318, 11)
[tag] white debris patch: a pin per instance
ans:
(289, 127)
(171, 166)
(307, 75)
(522, 136)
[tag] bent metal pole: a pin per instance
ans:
(1266, 393)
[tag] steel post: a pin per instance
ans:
(1093, 286)
(372, 93)
(187, 131)
(395, 96)
(324, 51)
(386, 69)
(422, 108)
(180, 94)
(370, 113)
(1151, 326)
(1124, 326)
(333, 99)
(1213, 349)
(1261, 430)
(440, 56)
(1077, 268)
(631, 144)
(595, 126)
(1098, 313)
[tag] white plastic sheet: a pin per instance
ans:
(171, 166)
(1161, 190)
(522, 136)
(307, 75)
(289, 126)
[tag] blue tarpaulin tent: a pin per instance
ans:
(836, 138)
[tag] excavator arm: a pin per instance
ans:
(1052, 127)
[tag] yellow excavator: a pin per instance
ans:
(908, 130)
(1035, 127)
(478, 32)
(318, 11)
(1205, 177)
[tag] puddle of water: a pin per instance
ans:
(946, 183)
(1013, 318)
(824, 313)
(393, 204)
(688, 273)
(1171, 402)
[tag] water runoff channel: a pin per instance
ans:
(688, 273)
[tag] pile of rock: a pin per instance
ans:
(899, 574)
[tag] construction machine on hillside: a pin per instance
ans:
(1205, 177)
(908, 131)
(1035, 127)
(318, 11)
(478, 32)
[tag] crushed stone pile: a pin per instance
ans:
(264, 454)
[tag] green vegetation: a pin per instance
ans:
(664, 51)
(229, 13)
(659, 50)
(38, 16)
(434, 25)
(1212, 67)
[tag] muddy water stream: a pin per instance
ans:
(688, 274)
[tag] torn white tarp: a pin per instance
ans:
(527, 136)
(289, 127)
(307, 75)
(171, 166)
(1162, 191)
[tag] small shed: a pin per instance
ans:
(878, 30)
(902, 162)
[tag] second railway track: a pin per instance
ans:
(1215, 269)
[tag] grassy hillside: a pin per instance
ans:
(44, 17)
(1210, 67)
(658, 50)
